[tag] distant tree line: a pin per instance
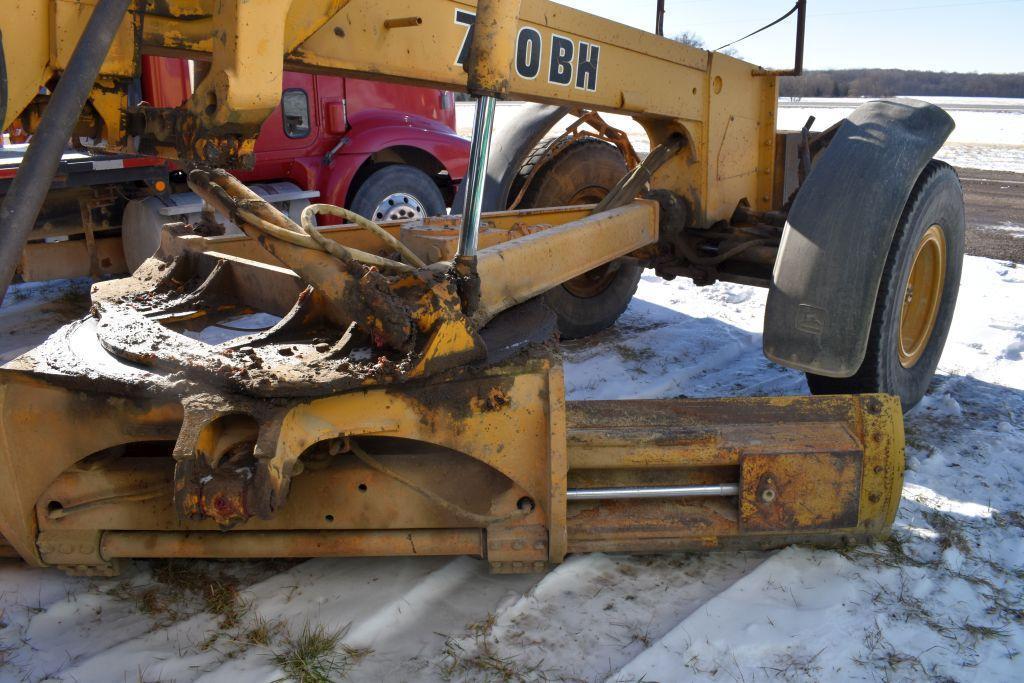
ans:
(892, 82)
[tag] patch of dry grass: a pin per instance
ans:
(222, 599)
(262, 631)
(884, 658)
(950, 533)
(180, 590)
(318, 655)
(481, 660)
(795, 666)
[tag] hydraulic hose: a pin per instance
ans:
(309, 225)
(241, 204)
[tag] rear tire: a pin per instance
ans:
(398, 192)
(909, 328)
(583, 174)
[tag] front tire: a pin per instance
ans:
(398, 192)
(916, 296)
(583, 174)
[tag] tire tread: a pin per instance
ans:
(872, 376)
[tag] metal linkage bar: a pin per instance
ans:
(476, 174)
(718, 490)
(631, 183)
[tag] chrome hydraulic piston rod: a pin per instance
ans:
(476, 175)
(626, 492)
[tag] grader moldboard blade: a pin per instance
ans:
(374, 419)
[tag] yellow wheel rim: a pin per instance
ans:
(922, 296)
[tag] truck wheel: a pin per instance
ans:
(398, 193)
(916, 296)
(583, 174)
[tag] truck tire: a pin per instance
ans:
(398, 192)
(916, 297)
(583, 174)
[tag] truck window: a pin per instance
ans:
(295, 113)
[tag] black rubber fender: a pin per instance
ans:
(839, 231)
(510, 147)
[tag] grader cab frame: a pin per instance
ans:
(413, 406)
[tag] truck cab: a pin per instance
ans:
(334, 134)
(388, 152)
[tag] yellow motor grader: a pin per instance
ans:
(404, 395)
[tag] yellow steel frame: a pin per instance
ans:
(806, 468)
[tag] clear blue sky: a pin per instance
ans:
(938, 35)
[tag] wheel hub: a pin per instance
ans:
(593, 282)
(399, 206)
(922, 296)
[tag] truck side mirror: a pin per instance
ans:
(335, 116)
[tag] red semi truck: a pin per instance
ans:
(388, 152)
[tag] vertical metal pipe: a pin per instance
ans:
(32, 183)
(659, 18)
(476, 174)
(801, 25)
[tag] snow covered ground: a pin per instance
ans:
(989, 132)
(943, 599)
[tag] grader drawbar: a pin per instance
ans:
(381, 390)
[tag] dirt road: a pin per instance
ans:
(995, 213)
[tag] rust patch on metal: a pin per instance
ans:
(800, 491)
